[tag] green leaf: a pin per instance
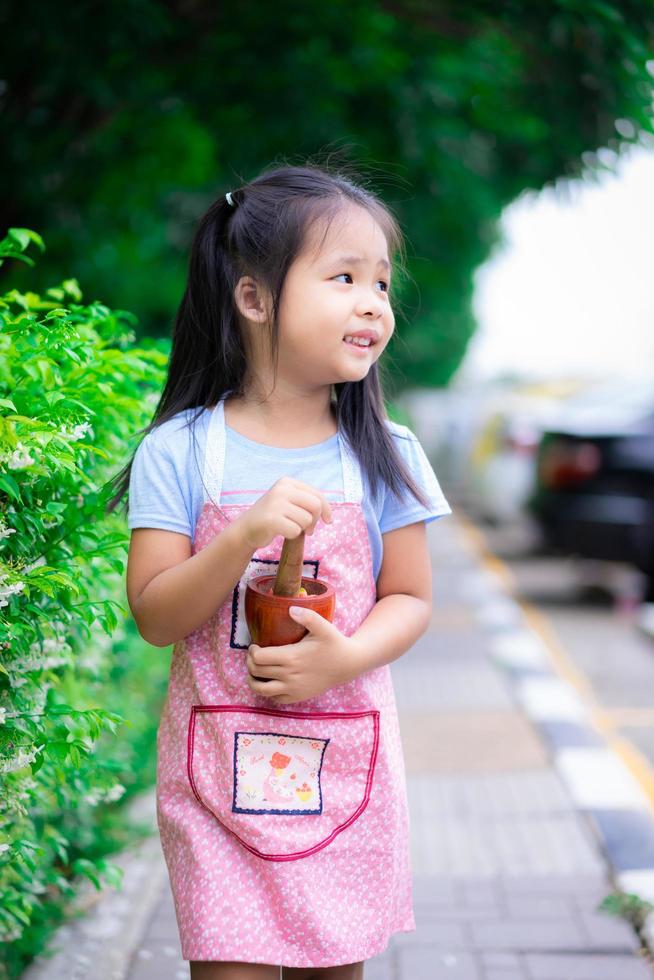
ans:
(84, 867)
(11, 488)
(57, 750)
(23, 236)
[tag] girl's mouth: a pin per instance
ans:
(361, 344)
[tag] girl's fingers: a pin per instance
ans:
(258, 670)
(314, 500)
(267, 689)
(267, 666)
(270, 656)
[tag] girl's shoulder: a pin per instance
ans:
(401, 431)
(175, 432)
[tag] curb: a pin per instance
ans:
(88, 945)
(608, 779)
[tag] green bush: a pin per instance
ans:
(80, 692)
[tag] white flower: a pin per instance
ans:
(3, 715)
(6, 531)
(4, 847)
(52, 651)
(50, 644)
(24, 757)
(20, 458)
(114, 793)
(78, 432)
(22, 665)
(8, 590)
(97, 795)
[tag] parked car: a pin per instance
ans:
(482, 438)
(594, 491)
(500, 469)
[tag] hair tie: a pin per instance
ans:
(228, 198)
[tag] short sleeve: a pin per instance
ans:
(396, 513)
(157, 497)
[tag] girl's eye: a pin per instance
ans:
(386, 286)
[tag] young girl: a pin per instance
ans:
(281, 792)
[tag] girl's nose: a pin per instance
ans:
(371, 306)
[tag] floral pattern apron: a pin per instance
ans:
(285, 828)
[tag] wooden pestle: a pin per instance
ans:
(288, 580)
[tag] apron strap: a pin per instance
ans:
(214, 461)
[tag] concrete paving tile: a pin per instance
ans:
(444, 685)
(480, 892)
(453, 935)
(639, 882)
(163, 925)
(492, 794)
(456, 913)
(381, 967)
(525, 934)
(431, 963)
(516, 846)
(519, 648)
(551, 966)
(598, 779)
(541, 906)
(470, 742)
(505, 975)
(503, 960)
(562, 734)
(628, 836)
(549, 697)
(155, 961)
(607, 932)
(498, 613)
(595, 886)
(432, 889)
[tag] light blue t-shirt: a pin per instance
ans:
(166, 491)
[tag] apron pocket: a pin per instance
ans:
(285, 783)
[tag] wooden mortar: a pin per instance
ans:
(268, 598)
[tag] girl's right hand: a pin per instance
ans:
(288, 508)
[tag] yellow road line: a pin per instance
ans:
(605, 721)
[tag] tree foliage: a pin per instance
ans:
(121, 123)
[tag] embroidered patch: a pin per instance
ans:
(239, 636)
(277, 773)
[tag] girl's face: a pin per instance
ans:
(336, 288)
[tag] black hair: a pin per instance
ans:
(260, 235)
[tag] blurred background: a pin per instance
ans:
(515, 143)
(513, 140)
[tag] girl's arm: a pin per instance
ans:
(404, 593)
(170, 591)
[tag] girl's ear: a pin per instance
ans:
(251, 300)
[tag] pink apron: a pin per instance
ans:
(284, 827)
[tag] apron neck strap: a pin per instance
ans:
(214, 460)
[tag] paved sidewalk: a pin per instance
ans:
(509, 868)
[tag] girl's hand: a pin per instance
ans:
(288, 508)
(322, 659)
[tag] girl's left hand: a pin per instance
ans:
(323, 658)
